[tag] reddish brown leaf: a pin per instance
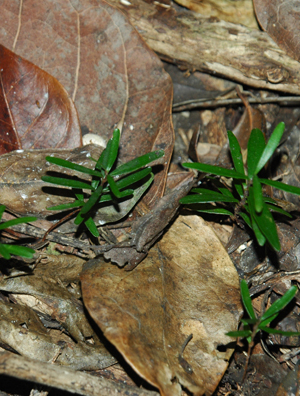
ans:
(281, 20)
(186, 285)
(8, 138)
(105, 66)
(39, 110)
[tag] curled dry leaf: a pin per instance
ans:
(187, 285)
(105, 66)
(280, 19)
(36, 111)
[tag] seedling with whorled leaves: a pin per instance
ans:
(246, 197)
(6, 250)
(254, 325)
(106, 184)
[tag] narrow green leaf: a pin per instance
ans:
(247, 299)
(73, 166)
(279, 304)
(284, 333)
(249, 321)
(268, 320)
(2, 210)
(66, 182)
(236, 153)
(206, 198)
(271, 146)
(90, 203)
(137, 163)
(279, 210)
(246, 219)
(220, 211)
(4, 253)
(265, 222)
(239, 333)
(91, 226)
(69, 205)
(258, 197)
(13, 222)
(114, 189)
(256, 146)
(258, 234)
(133, 178)
(110, 153)
(240, 190)
(225, 191)
(281, 186)
(17, 250)
(214, 170)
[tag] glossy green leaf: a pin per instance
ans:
(89, 204)
(240, 190)
(91, 226)
(13, 222)
(133, 178)
(110, 153)
(246, 219)
(137, 163)
(249, 321)
(271, 146)
(2, 210)
(66, 182)
(219, 211)
(284, 333)
(268, 320)
(213, 197)
(4, 253)
(71, 165)
(22, 251)
(236, 153)
(114, 189)
(279, 304)
(281, 186)
(258, 197)
(265, 222)
(215, 170)
(247, 299)
(279, 210)
(225, 191)
(256, 146)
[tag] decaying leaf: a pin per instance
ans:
(187, 285)
(34, 105)
(235, 11)
(106, 68)
(280, 19)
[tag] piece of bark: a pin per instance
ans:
(66, 379)
(236, 52)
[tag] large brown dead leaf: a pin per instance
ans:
(186, 285)
(36, 111)
(280, 19)
(104, 65)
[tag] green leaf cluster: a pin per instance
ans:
(6, 249)
(245, 198)
(106, 184)
(253, 325)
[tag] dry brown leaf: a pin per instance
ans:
(106, 68)
(234, 51)
(186, 285)
(235, 11)
(39, 112)
(280, 19)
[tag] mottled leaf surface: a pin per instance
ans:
(104, 65)
(186, 285)
(280, 19)
(35, 109)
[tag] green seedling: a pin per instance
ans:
(254, 325)
(106, 184)
(245, 198)
(6, 249)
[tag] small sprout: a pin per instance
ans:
(245, 199)
(7, 249)
(254, 325)
(106, 184)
